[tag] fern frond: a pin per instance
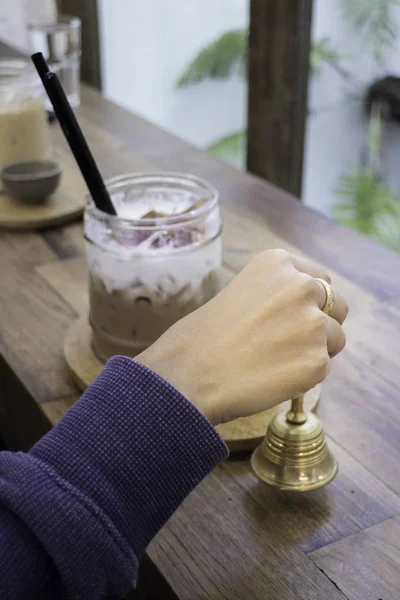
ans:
(375, 19)
(231, 144)
(219, 59)
(323, 52)
(231, 148)
(369, 206)
(228, 53)
(388, 231)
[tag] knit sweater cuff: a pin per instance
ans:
(135, 447)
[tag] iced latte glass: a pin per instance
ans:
(23, 120)
(154, 263)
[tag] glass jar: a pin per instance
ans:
(60, 42)
(154, 263)
(23, 119)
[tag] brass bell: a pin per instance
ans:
(294, 454)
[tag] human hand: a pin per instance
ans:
(264, 339)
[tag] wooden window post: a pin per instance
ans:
(279, 50)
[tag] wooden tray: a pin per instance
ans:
(65, 205)
(69, 278)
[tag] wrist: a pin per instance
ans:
(173, 358)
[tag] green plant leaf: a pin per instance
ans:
(222, 56)
(369, 206)
(219, 59)
(323, 52)
(375, 19)
(231, 148)
(388, 231)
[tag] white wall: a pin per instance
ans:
(147, 45)
(15, 14)
(12, 23)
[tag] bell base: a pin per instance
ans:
(292, 484)
(294, 456)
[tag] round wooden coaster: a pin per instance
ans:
(60, 208)
(65, 205)
(242, 435)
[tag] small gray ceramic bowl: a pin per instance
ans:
(31, 181)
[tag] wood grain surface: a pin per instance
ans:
(373, 572)
(233, 537)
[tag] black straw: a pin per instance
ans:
(74, 135)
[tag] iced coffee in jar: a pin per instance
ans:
(154, 263)
(23, 119)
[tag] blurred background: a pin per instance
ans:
(305, 93)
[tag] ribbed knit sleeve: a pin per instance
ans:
(82, 506)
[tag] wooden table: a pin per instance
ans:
(234, 538)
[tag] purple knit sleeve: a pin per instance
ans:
(93, 492)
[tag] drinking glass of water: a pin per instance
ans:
(60, 43)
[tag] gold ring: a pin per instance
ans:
(330, 298)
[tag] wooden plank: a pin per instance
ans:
(361, 411)
(69, 278)
(34, 318)
(373, 336)
(112, 155)
(366, 565)
(356, 499)
(233, 556)
(279, 51)
(66, 242)
(56, 409)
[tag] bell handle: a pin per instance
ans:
(296, 414)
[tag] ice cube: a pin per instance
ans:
(177, 239)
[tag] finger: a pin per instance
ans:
(336, 338)
(340, 308)
(306, 265)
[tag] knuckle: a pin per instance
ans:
(305, 284)
(318, 323)
(279, 255)
(320, 366)
(271, 257)
(343, 341)
(257, 263)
